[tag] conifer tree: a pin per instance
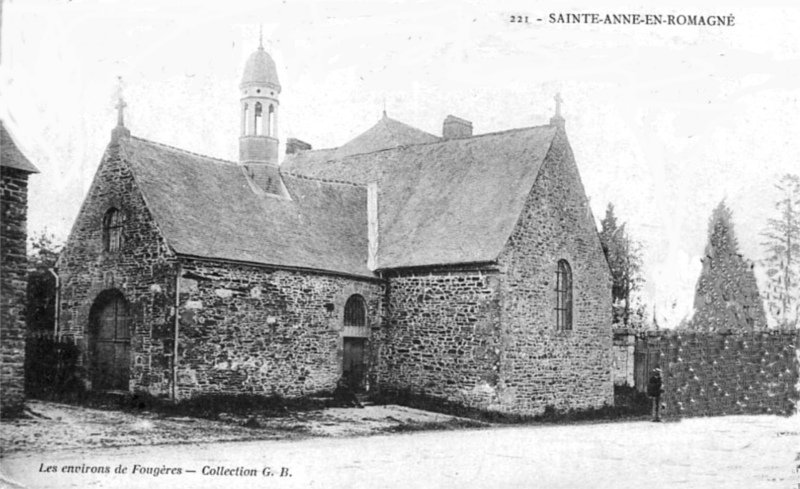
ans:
(624, 260)
(726, 296)
(782, 260)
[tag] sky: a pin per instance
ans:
(665, 121)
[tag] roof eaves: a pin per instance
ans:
(371, 277)
(24, 164)
(323, 180)
(482, 265)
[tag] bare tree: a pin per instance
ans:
(782, 262)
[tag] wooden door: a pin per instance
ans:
(354, 365)
(111, 345)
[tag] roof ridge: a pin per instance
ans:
(442, 140)
(325, 180)
(506, 131)
(438, 138)
(213, 158)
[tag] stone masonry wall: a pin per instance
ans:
(542, 366)
(247, 329)
(143, 270)
(716, 374)
(13, 257)
(443, 336)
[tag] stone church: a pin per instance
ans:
(464, 267)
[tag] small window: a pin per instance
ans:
(563, 296)
(355, 311)
(113, 222)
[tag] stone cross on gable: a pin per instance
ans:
(120, 130)
(121, 112)
(557, 120)
(558, 100)
(120, 104)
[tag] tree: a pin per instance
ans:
(44, 249)
(782, 262)
(726, 296)
(624, 259)
(41, 293)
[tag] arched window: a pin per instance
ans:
(259, 120)
(271, 121)
(113, 222)
(563, 296)
(246, 120)
(355, 311)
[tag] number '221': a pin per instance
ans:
(520, 19)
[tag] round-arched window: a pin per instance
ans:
(355, 311)
(113, 223)
(563, 296)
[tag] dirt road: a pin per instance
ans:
(730, 452)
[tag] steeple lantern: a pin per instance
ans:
(258, 142)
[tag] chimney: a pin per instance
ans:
(295, 146)
(456, 128)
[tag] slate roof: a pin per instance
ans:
(443, 202)
(387, 133)
(448, 202)
(10, 155)
(205, 207)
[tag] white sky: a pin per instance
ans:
(665, 121)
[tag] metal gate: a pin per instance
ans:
(646, 357)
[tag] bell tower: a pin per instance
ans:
(258, 142)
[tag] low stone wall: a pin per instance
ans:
(716, 374)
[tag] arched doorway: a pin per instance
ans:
(110, 341)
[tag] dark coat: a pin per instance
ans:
(344, 396)
(655, 387)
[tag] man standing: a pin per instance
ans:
(655, 387)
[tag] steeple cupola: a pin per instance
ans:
(258, 143)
